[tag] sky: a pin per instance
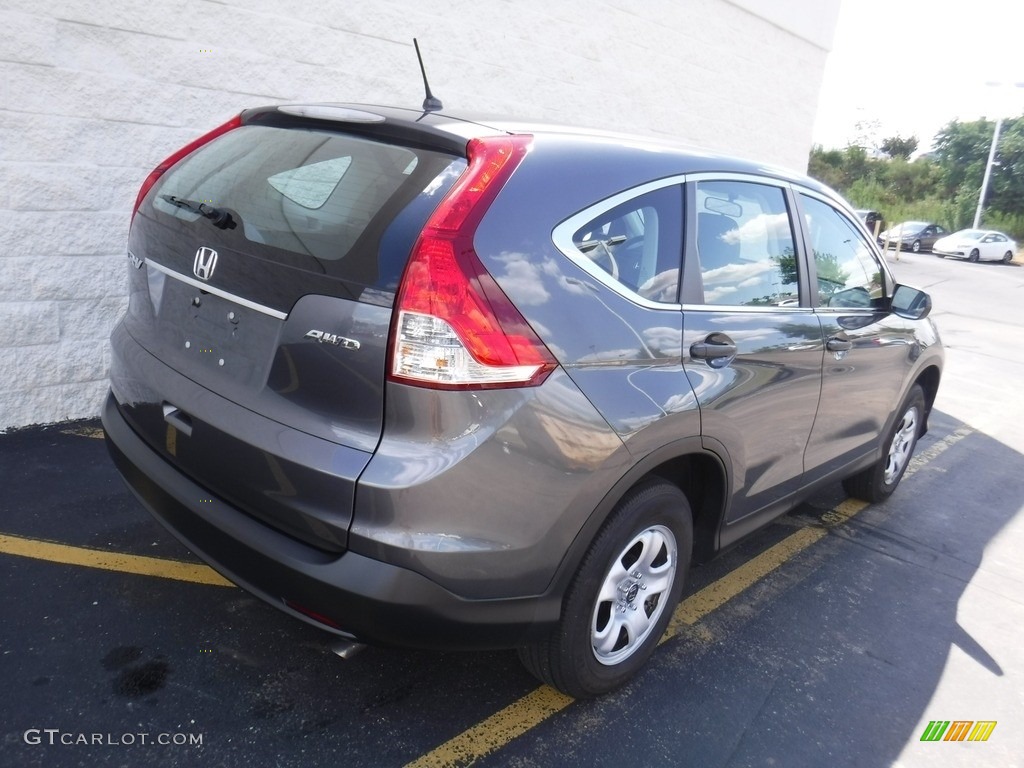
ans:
(914, 65)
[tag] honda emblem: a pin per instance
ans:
(205, 263)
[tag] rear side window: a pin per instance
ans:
(745, 245)
(318, 200)
(639, 243)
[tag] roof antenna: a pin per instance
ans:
(431, 103)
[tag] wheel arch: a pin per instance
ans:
(700, 474)
(703, 480)
(928, 379)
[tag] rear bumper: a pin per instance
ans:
(361, 597)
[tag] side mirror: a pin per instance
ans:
(911, 303)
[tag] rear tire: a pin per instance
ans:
(877, 482)
(622, 597)
(973, 255)
(1007, 257)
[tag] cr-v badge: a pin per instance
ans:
(332, 338)
(205, 263)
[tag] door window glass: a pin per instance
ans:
(848, 274)
(745, 245)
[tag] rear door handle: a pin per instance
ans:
(837, 344)
(716, 350)
(703, 350)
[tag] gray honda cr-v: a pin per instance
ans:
(434, 381)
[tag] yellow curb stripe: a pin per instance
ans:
(938, 448)
(93, 432)
(497, 730)
(111, 561)
(537, 706)
(715, 595)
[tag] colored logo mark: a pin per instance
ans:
(958, 730)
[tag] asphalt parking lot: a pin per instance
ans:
(832, 637)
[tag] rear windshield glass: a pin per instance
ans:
(328, 197)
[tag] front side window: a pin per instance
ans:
(745, 244)
(639, 243)
(848, 275)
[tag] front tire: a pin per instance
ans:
(973, 255)
(916, 247)
(877, 482)
(622, 597)
(1007, 257)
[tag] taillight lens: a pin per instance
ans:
(157, 172)
(455, 328)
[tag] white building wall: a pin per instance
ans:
(93, 95)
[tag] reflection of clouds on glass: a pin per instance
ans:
(749, 282)
(737, 274)
(762, 227)
(855, 270)
(452, 171)
(719, 293)
(662, 287)
(523, 278)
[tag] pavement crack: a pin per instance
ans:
(750, 721)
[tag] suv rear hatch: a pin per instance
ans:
(267, 264)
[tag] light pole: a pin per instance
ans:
(991, 158)
(988, 173)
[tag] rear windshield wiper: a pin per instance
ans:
(219, 216)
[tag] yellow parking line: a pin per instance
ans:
(111, 561)
(718, 593)
(497, 730)
(537, 706)
(93, 432)
(520, 716)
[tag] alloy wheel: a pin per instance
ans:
(901, 446)
(633, 594)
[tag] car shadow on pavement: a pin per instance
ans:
(907, 613)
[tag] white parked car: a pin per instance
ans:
(977, 244)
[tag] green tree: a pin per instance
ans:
(962, 151)
(942, 186)
(897, 146)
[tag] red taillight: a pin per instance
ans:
(454, 327)
(157, 172)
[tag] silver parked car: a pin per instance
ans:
(431, 380)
